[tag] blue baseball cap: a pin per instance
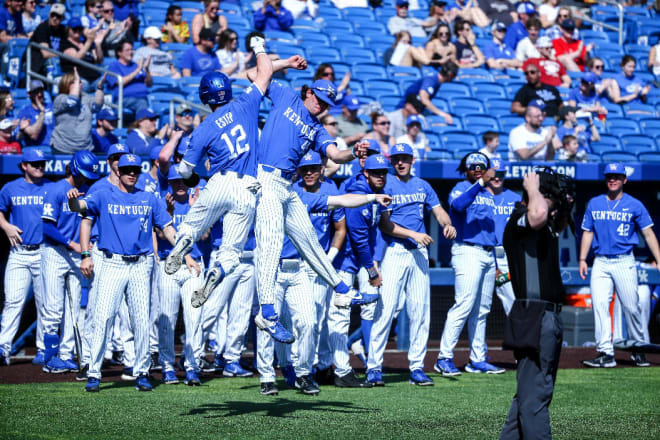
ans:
(173, 174)
(497, 164)
(118, 149)
(310, 159)
(415, 119)
(325, 90)
(107, 114)
(129, 160)
(155, 151)
(538, 103)
(402, 2)
(145, 113)
(476, 158)
(351, 102)
(615, 168)
(525, 8)
(376, 162)
(589, 77)
(374, 146)
(33, 155)
(75, 22)
(400, 149)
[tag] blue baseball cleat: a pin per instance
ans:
(483, 367)
(93, 385)
(234, 369)
(71, 365)
(275, 329)
(446, 367)
(39, 358)
(169, 378)
(219, 363)
(418, 377)
(375, 377)
(55, 366)
(142, 383)
(192, 380)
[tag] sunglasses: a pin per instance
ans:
(383, 123)
(310, 169)
(107, 11)
(130, 170)
(39, 164)
(186, 113)
(600, 66)
(378, 173)
(334, 123)
(500, 174)
(324, 74)
(531, 72)
(443, 34)
(477, 167)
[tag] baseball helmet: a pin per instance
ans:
(215, 88)
(84, 164)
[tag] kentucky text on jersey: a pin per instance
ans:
(481, 200)
(398, 199)
(129, 209)
(27, 200)
(306, 130)
(504, 210)
(612, 215)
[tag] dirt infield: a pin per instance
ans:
(22, 371)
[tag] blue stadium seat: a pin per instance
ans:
(284, 37)
(305, 24)
(638, 143)
(464, 106)
(357, 87)
(351, 53)
(600, 148)
(353, 12)
(483, 90)
(497, 107)
(622, 125)
(480, 122)
(307, 36)
(385, 12)
(434, 140)
(647, 124)
(402, 71)
(618, 156)
(175, 47)
(474, 73)
(332, 25)
(347, 40)
(225, 8)
(192, 6)
(341, 69)
(442, 104)
(238, 21)
(454, 89)
(652, 156)
(512, 88)
(362, 27)
(286, 50)
(437, 124)
(190, 81)
(613, 110)
(389, 102)
(372, 69)
(382, 87)
(509, 122)
(164, 81)
(457, 140)
(612, 142)
(153, 16)
(438, 155)
(638, 110)
(329, 12)
(404, 82)
(16, 49)
(589, 35)
(322, 54)
(461, 152)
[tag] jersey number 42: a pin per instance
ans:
(237, 146)
(623, 230)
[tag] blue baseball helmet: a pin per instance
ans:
(215, 88)
(84, 164)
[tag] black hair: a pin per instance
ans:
(319, 70)
(225, 37)
(449, 69)
(170, 11)
(489, 136)
(120, 45)
(462, 167)
(303, 91)
(626, 59)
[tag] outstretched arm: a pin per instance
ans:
(355, 200)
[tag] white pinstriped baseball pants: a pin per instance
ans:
(474, 275)
(117, 279)
(505, 291)
(154, 307)
(405, 273)
(177, 289)
(293, 288)
(88, 326)
(618, 273)
(23, 269)
(322, 294)
(225, 195)
(280, 210)
(58, 264)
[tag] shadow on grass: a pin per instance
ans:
(282, 408)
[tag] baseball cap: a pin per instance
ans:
(476, 158)
(538, 103)
(206, 34)
(525, 8)
(117, 149)
(145, 113)
(376, 162)
(402, 2)
(5, 124)
(415, 119)
(565, 110)
(309, 159)
(544, 42)
(373, 147)
(173, 174)
(58, 8)
(154, 152)
(401, 149)
(181, 109)
(614, 168)
(497, 164)
(589, 77)
(438, 2)
(567, 24)
(75, 22)
(351, 102)
(36, 84)
(129, 160)
(152, 32)
(33, 155)
(106, 114)
(325, 90)
(498, 26)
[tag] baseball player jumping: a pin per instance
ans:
(614, 219)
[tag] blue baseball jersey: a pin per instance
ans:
(315, 203)
(430, 84)
(102, 143)
(615, 223)
(24, 202)
(471, 209)
(158, 187)
(99, 185)
(56, 209)
(229, 136)
(504, 204)
(32, 114)
(290, 131)
(180, 211)
(126, 220)
(409, 202)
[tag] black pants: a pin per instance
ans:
(529, 417)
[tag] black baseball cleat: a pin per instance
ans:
(640, 360)
(306, 385)
(269, 389)
(82, 373)
(325, 376)
(601, 361)
(350, 381)
(154, 363)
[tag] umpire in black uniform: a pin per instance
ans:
(534, 329)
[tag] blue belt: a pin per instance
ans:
(284, 174)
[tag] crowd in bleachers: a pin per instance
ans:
(444, 76)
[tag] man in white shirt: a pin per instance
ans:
(414, 136)
(401, 21)
(530, 140)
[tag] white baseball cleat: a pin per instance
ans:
(175, 258)
(353, 298)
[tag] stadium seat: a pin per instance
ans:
(479, 123)
(284, 37)
(622, 125)
(460, 153)
(307, 36)
(351, 53)
(389, 102)
(589, 35)
(434, 140)
(191, 6)
(357, 87)
(152, 16)
(225, 8)
(347, 40)
(497, 107)
(438, 125)
(638, 110)
(457, 140)
(340, 26)
(402, 71)
(354, 12)
(652, 156)
(512, 88)
(371, 69)
(362, 27)
(650, 126)
(329, 12)
(322, 54)
(612, 141)
(304, 24)
(438, 155)
(509, 122)
(638, 143)
(454, 89)
(483, 90)
(618, 156)
(474, 73)
(613, 110)
(442, 104)
(381, 87)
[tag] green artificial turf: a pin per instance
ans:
(588, 404)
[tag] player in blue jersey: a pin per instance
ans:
(471, 209)
(60, 261)
(154, 181)
(611, 223)
(126, 218)
(21, 203)
(505, 200)
(405, 266)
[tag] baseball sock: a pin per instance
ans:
(354, 337)
(268, 312)
(341, 287)
(365, 326)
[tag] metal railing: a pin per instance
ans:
(604, 25)
(120, 81)
(202, 109)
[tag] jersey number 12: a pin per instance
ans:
(237, 147)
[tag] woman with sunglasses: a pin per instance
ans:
(604, 86)
(232, 60)
(30, 17)
(403, 53)
(439, 48)
(380, 132)
(85, 49)
(209, 19)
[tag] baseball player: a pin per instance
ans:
(471, 208)
(126, 218)
(60, 259)
(21, 202)
(505, 200)
(405, 266)
(614, 219)
(291, 130)
(178, 288)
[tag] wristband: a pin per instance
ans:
(481, 181)
(332, 253)
(85, 254)
(371, 197)
(373, 273)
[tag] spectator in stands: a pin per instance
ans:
(419, 144)
(401, 21)
(570, 151)
(8, 145)
(570, 52)
(397, 118)
(518, 30)
(175, 30)
(93, 9)
(73, 115)
(530, 140)
(552, 71)
(40, 115)
(403, 53)
(136, 76)
(491, 143)
(499, 10)
(303, 9)
(186, 120)
(119, 30)
(527, 46)
(439, 48)
(554, 31)
(200, 59)
(426, 87)
(11, 21)
(126, 8)
(232, 60)
(209, 19)
(605, 87)
(654, 59)
(437, 16)
(30, 17)
(467, 53)
(533, 90)
(330, 124)
(50, 33)
(272, 16)
(350, 127)
(162, 63)
(380, 132)
(326, 71)
(585, 97)
(102, 135)
(548, 13)
(584, 130)
(143, 133)
(468, 10)
(498, 55)
(6, 104)
(87, 49)
(631, 88)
